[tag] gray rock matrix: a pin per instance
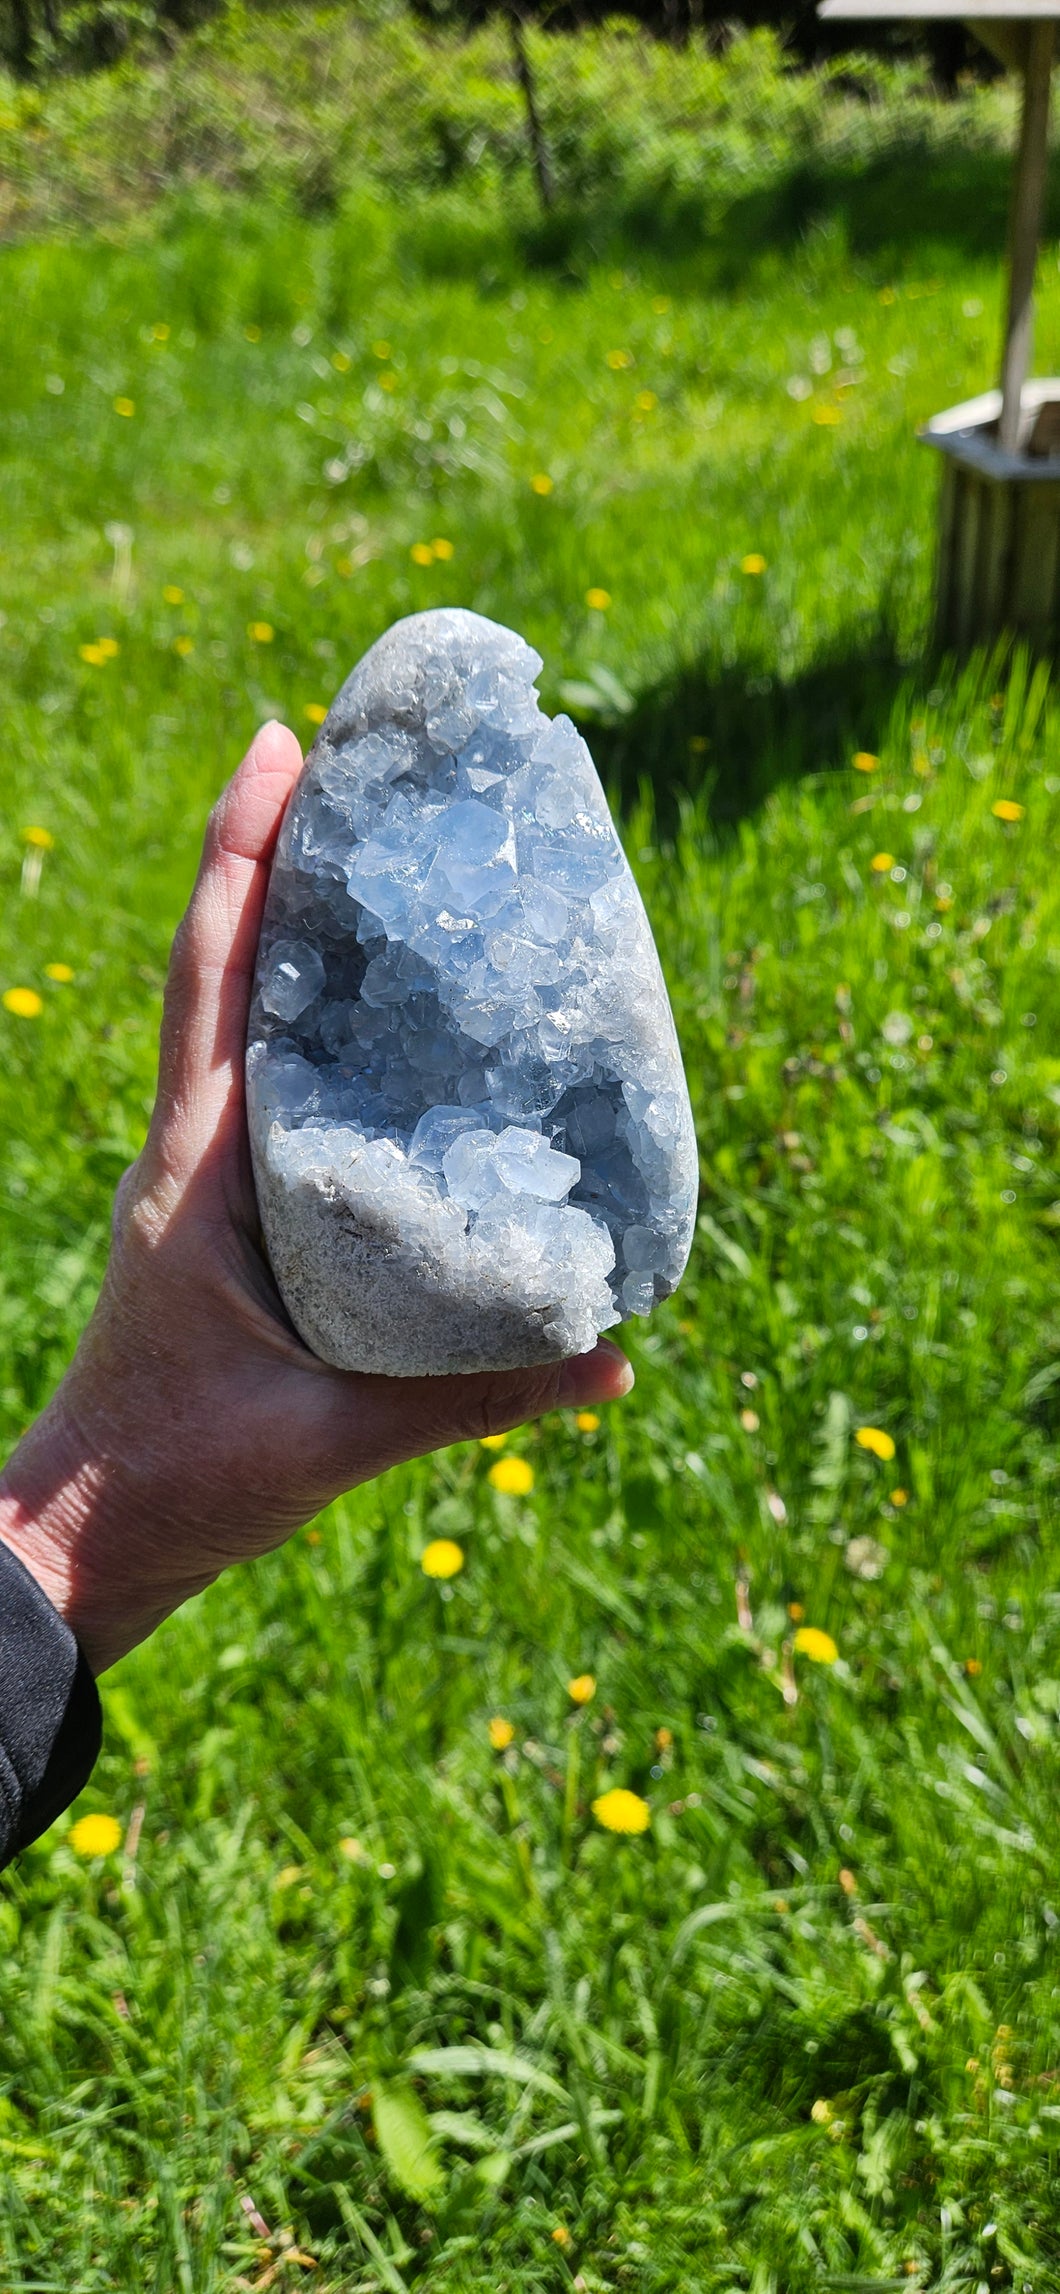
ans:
(471, 1134)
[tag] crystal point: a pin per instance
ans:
(471, 1134)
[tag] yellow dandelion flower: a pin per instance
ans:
(173, 594)
(622, 1811)
(109, 648)
(183, 646)
(873, 1438)
(443, 1557)
(93, 654)
(973, 1667)
(827, 416)
(943, 903)
(422, 554)
(819, 1647)
(753, 563)
(865, 762)
(513, 1477)
(882, 863)
(125, 406)
(899, 1497)
(587, 1422)
(42, 838)
(619, 359)
(316, 711)
(63, 973)
(381, 350)
(501, 1732)
(492, 1441)
(1005, 809)
(582, 1689)
(541, 483)
(341, 362)
(443, 550)
(664, 1738)
(252, 333)
(796, 1612)
(160, 332)
(388, 382)
(24, 1003)
(95, 1836)
(352, 1849)
(598, 599)
(262, 632)
(561, 2236)
(821, 2112)
(646, 401)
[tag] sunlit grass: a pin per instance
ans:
(802, 2029)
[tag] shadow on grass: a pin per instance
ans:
(741, 732)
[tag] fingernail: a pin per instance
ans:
(605, 1375)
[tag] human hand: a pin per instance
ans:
(193, 1428)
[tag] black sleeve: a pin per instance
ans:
(50, 1719)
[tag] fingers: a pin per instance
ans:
(212, 965)
(393, 1419)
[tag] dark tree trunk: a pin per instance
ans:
(539, 152)
(22, 51)
(50, 13)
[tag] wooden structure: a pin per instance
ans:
(999, 526)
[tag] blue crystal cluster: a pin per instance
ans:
(460, 1034)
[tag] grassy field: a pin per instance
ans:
(804, 2032)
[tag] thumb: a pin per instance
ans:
(401, 1418)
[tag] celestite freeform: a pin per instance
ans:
(471, 1133)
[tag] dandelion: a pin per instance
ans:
(561, 2236)
(899, 1497)
(41, 838)
(160, 332)
(796, 1612)
(95, 1836)
(126, 407)
(443, 550)
(443, 1557)
(513, 1477)
(973, 1667)
(750, 1421)
(827, 416)
(1005, 809)
(882, 863)
(183, 646)
(664, 1738)
(492, 1441)
(93, 654)
(582, 1689)
(541, 483)
(352, 1849)
(873, 1438)
(587, 1422)
(753, 563)
(501, 1732)
(388, 382)
(173, 594)
(109, 648)
(316, 711)
(341, 362)
(62, 973)
(598, 599)
(811, 1642)
(619, 359)
(422, 554)
(622, 1811)
(646, 401)
(943, 902)
(821, 2112)
(381, 350)
(24, 1003)
(865, 762)
(262, 632)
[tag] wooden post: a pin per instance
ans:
(1027, 201)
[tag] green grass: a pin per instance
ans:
(705, 2054)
